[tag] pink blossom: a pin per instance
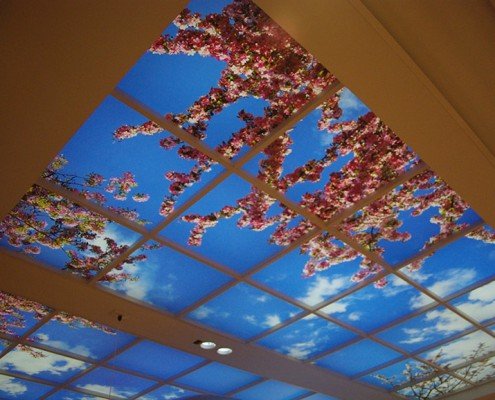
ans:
(141, 197)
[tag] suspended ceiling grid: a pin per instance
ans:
(235, 169)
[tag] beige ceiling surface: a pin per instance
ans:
(59, 60)
(453, 44)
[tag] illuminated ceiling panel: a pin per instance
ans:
(232, 182)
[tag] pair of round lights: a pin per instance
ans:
(223, 351)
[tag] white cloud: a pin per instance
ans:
(459, 350)
(271, 320)
(326, 139)
(447, 321)
(262, 299)
(415, 335)
(396, 281)
(112, 232)
(438, 321)
(84, 398)
(301, 350)
(441, 387)
(202, 312)
(140, 288)
(338, 307)
(168, 291)
(478, 310)
(485, 293)
(52, 363)
(10, 386)
(484, 370)
(105, 389)
(322, 288)
(43, 337)
(349, 101)
(453, 280)
(419, 301)
(394, 287)
(136, 289)
(355, 316)
(418, 275)
(305, 341)
(58, 344)
(250, 318)
(480, 303)
(175, 393)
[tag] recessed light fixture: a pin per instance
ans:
(208, 345)
(224, 351)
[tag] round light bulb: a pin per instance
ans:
(224, 351)
(208, 345)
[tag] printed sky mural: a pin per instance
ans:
(266, 202)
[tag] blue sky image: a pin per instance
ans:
(447, 385)
(217, 378)
(426, 329)
(486, 370)
(71, 395)
(50, 366)
(479, 304)
(163, 279)
(29, 320)
(57, 258)
(421, 229)
(285, 276)
(310, 143)
(148, 358)
(171, 84)
(307, 337)
(357, 358)
(94, 149)
(226, 241)
(319, 396)
(273, 390)
(80, 339)
(16, 388)
(243, 311)
(393, 373)
(456, 266)
(459, 350)
(169, 392)
(237, 298)
(102, 381)
(369, 308)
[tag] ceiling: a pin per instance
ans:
(436, 99)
